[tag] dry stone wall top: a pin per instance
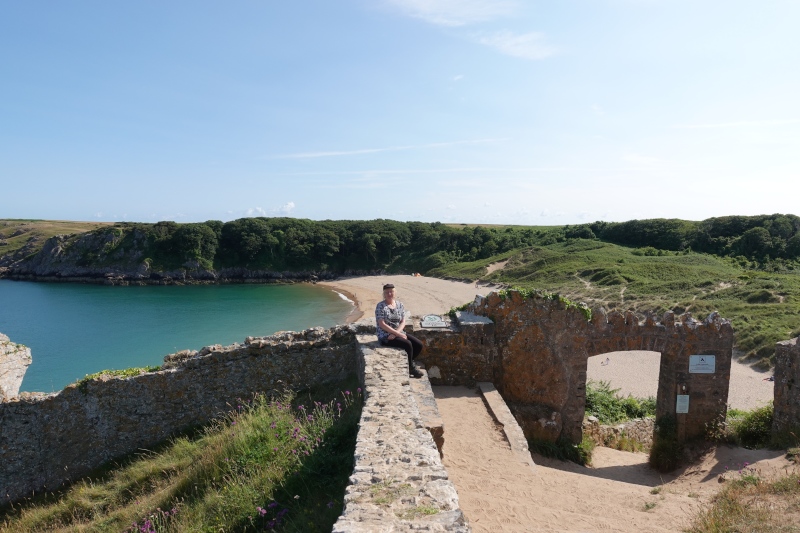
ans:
(399, 482)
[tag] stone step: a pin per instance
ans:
(428, 410)
(511, 430)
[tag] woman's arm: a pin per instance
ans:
(390, 330)
(401, 326)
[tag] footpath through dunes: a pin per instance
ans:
(619, 493)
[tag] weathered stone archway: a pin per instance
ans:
(536, 351)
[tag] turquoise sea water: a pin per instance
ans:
(76, 329)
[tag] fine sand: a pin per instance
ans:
(618, 493)
(420, 295)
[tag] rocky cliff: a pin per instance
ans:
(14, 361)
(117, 257)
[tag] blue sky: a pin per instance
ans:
(503, 111)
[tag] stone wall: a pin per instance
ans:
(46, 440)
(14, 361)
(464, 353)
(399, 482)
(638, 429)
(535, 351)
(787, 387)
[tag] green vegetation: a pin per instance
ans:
(749, 503)
(16, 234)
(83, 383)
(752, 429)
(270, 463)
(603, 402)
(761, 300)
(563, 450)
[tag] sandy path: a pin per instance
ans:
(498, 494)
(619, 493)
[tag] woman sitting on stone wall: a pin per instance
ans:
(390, 318)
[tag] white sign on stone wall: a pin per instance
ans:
(682, 405)
(702, 364)
(433, 321)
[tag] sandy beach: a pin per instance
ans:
(619, 492)
(420, 295)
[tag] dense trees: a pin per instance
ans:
(281, 244)
(757, 237)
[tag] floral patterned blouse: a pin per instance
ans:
(392, 317)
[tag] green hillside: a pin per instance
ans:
(762, 301)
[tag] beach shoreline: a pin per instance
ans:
(356, 313)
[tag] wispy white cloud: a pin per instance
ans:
(597, 110)
(287, 208)
(371, 173)
(255, 212)
(284, 210)
(458, 77)
(739, 124)
(530, 45)
(337, 153)
(455, 12)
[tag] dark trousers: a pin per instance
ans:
(412, 346)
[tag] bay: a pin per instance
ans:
(78, 329)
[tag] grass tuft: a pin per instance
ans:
(563, 450)
(750, 504)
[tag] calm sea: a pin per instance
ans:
(75, 329)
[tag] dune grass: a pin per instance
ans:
(761, 300)
(750, 504)
(268, 464)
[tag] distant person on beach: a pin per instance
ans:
(390, 319)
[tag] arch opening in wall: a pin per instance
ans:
(634, 372)
(630, 373)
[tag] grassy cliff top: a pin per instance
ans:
(16, 233)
